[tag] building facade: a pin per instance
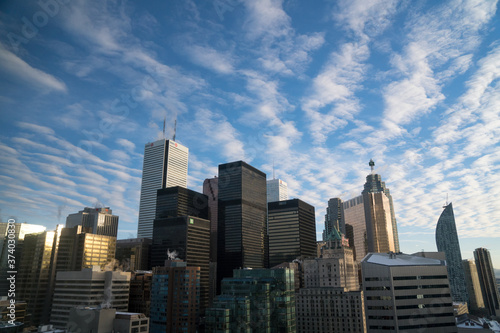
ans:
(447, 242)
(476, 303)
(211, 190)
(89, 287)
(333, 216)
(139, 300)
(277, 190)
(36, 274)
(134, 253)
(189, 238)
(175, 298)
(291, 230)
(406, 293)
(487, 281)
(242, 225)
(165, 165)
(99, 221)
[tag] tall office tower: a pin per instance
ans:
(254, 300)
(333, 217)
(79, 249)
(374, 184)
(179, 201)
(331, 300)
(36, 274)
(211, 190)
(447, 242)
(487, 281)
(175, 300)
(292, 231)
(406, 293)
(476, 303)
(354, 221)
(187, 238)
(242, 227)
(140, 292)
(99, 221)
(134, 253)
(89, 287)
(18, 231)
(277, 190)
(165, 165)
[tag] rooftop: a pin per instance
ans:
(401, 259)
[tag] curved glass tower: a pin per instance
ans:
(447, 242)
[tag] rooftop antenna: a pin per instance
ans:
(446, 201)
(164, 119)
(371, 164)
(175, 128)
(273, 169)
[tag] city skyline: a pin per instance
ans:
(316, 92)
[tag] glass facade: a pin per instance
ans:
(486, 274)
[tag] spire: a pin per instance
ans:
(371, 164)
(273, 169)
(164, 120)
(175, 129)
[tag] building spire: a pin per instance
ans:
(371, 164)
(164, 120)
(175, 129)
(273, 169)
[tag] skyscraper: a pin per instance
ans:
(242, 218)
(447, 242)
(165, 165)
(473, 286)
(487, 281)
(333, 217)
(277, 190)
(100, 220)
(211, 190)
(292, 231)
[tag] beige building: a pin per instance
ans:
(406, 293)
(331, 300)
(354, 219)
(473, 287)
(89, 287)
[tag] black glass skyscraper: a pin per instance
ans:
(447, 242)
(487, 281)
(242, 218)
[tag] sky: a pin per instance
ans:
(316, 89)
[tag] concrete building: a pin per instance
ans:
(242, 225)
(487, 281)
(447, 242)
(134, 254)
(407, 293)
(277, 190)
(254, 300)
(165, 165)
(291, 230)
(89, 287)
(476, 303)
(79, 249)
(99, 221)
(107, 320)
(36, 274)
(175, 298)
(18, 230)
(331, 300)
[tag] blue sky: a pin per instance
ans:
(320, 89)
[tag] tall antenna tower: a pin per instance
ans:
(273, 169)
(175, 129)
(164, 120)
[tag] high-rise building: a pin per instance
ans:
(254, 300)
(369, 220)
(89, 287)
(331, 300)
(242, 227)
(406, 293)
(186, 238)
(292, 231)
(277, 190)
(175, 297)
(140, 292)
(487, 281)
(333, 217)
(134, 254)
(36, 274)
(179, 201)
(165, 165)
(476, 303)
(79, 249)
(447, 242)
(18, 230)
(99, 221)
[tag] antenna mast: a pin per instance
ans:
(175, 129)
(273, 169)
(164, 119)
(371, 164)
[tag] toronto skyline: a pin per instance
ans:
(309, 93)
